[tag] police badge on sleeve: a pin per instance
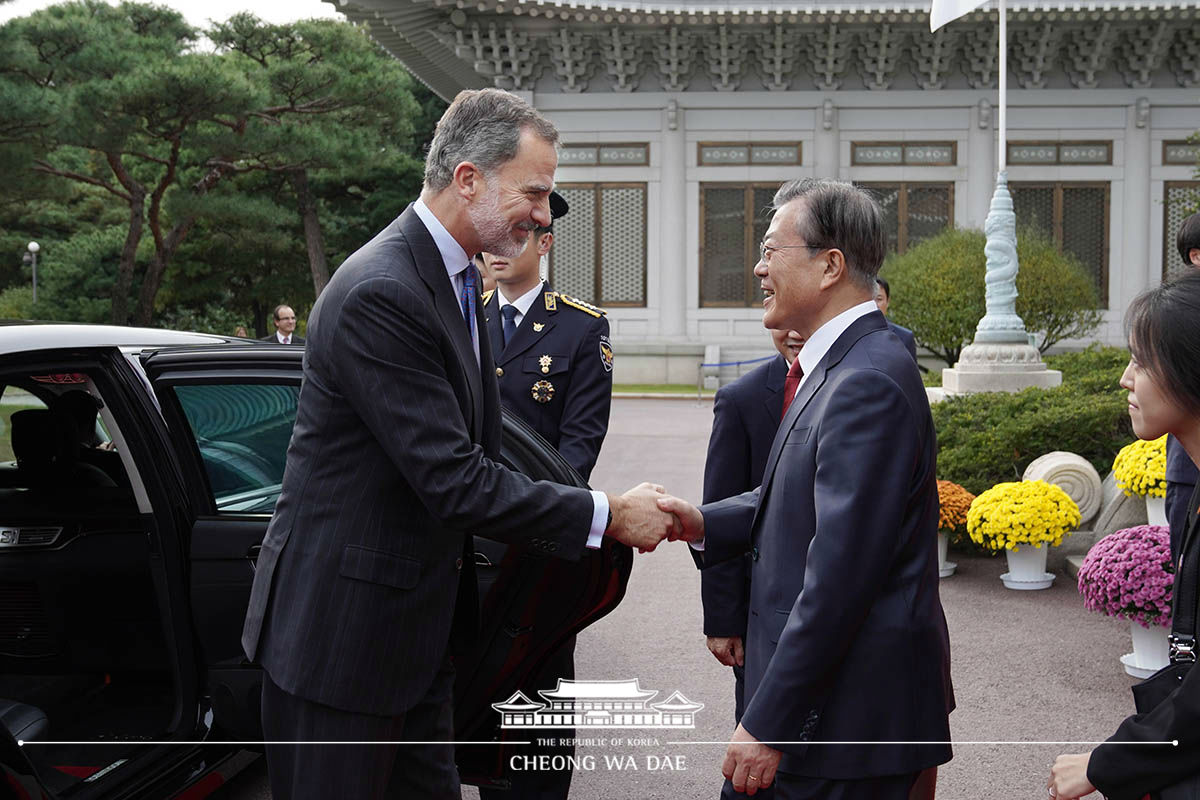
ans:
(606, 353)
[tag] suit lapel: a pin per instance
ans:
(491, 314)
(773, 386)
(432, 269)
(526, 336)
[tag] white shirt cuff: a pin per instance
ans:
(697, 545)
(599, 520)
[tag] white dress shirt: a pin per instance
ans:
(823, 338)
(455, 259)
(522, 303)
(283, 339)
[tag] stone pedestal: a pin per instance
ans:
(1001, 359)
(998, 368)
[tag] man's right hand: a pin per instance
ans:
(728, 650)
(638, 521)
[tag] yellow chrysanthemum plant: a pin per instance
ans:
(1009, 515)
(1141, 468)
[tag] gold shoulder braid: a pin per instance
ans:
(587, 308)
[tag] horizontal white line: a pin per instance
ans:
(1173, 743)
(24, 743)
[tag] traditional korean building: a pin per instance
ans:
(679, 119)
(598, 704)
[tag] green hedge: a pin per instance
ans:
(987, 438)
(937, 290)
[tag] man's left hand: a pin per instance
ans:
(749, 765)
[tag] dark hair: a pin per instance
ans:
(483, 126)
(843, 216)
(1188, 238)
(275, 313)
(883, 284)
(1163, 328)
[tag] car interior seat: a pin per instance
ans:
(46, 445)
(24, 722)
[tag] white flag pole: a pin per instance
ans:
(1003, 162)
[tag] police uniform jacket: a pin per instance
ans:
(556, 372)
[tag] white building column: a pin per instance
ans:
(1134, 272)
(826, 141)
(672, 297)
(981, 165)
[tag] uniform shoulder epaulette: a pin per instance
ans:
(587, 308)
(487, 296)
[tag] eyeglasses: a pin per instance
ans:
(765, 250)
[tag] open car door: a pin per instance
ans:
(231, 411)
(531, 604)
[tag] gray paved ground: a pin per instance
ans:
(1027, 666)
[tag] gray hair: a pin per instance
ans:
(483, 126)
(842, 216)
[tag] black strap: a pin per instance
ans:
(1183, 602)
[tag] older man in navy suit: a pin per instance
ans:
(365, 584)
(846, 640)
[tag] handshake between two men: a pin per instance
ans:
(646, 514)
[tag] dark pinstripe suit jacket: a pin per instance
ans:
(389, 472)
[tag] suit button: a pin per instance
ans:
(499, 372)
(754, 552)
(458, 563)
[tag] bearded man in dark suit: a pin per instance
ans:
(846, 640)
(365, 584)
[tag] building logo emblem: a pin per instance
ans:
(597, 704)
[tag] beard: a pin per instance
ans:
(494, 230)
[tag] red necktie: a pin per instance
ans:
(790, 384)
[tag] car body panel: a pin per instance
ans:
(206, 508)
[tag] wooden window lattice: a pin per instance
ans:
(599, 252)
(1075, 216)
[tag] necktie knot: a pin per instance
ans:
(790, 384)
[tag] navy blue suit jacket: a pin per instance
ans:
(846, 638)
(905, 336)
(745, 418)
(574, 418)
(366, 569)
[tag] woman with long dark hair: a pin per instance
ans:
(1163, 380)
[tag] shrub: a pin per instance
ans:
(988, 438)
(938, 290)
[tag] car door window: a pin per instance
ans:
(13, 399)
(242, 432)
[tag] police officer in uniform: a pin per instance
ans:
(553, 356)
(554, 364)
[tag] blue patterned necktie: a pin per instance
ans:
(470, 281)
(509, 312)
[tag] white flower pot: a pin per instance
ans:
(945, 568)
(1149, 650)
(1156, 513)
(1027, 568)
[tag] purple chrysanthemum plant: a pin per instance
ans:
(1129, 574)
